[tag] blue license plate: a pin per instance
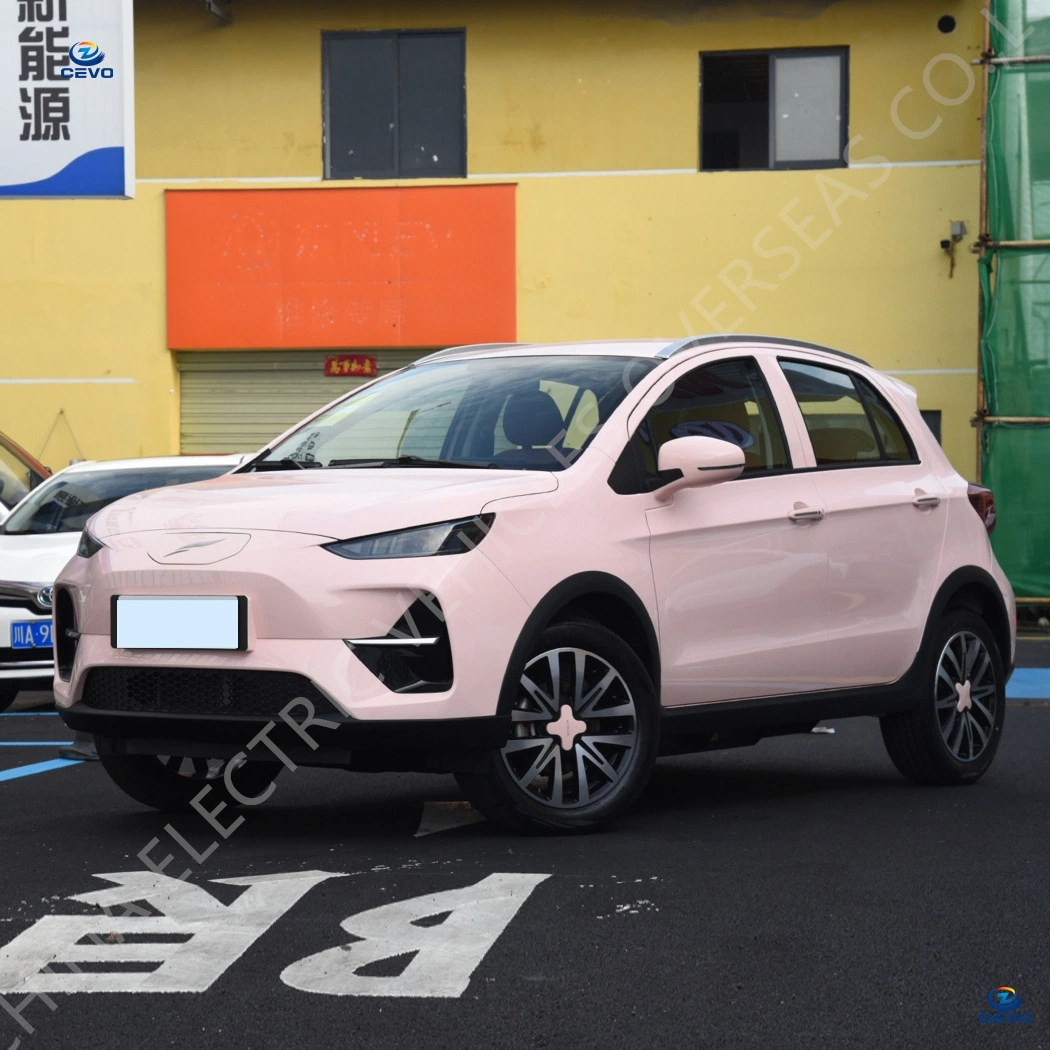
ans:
(31, 634)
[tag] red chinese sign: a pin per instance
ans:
(350, 365)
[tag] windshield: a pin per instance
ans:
(518, 413)
(65, 502)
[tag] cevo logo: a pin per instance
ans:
(1005, 1006)
(87, 58)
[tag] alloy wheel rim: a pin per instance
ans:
(966, 696)
(573, 697)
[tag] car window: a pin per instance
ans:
(64, 502)
(839, 409)
(728, 400)
(891, 435)
(515, 413)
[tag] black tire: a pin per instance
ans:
(920, 741)
(7, 698)
(613, 773)
(153, 782)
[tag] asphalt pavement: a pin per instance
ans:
(797, 893)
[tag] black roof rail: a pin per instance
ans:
(703, 340)
(467, 347)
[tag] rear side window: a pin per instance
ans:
(726, 400)
(895, 443)
(848, 421)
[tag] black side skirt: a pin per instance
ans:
(736, 723)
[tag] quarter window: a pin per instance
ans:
(848, 421)
(726, 400)
(773, 109)
(394, 105)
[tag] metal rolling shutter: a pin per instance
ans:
(238, 401)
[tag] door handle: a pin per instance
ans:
(925, 499)
(801, 513)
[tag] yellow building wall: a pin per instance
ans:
(578, 88)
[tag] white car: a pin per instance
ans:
(41, 534)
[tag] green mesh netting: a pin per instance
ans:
(1015, 468)
(1016, 342)
(1015, 293)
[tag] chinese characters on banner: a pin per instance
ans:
(44, 50)
(66, 98)
(363, 365)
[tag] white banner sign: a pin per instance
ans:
(67, 119)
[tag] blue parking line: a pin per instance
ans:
(35, 743)
(37, 767)
(1029, 683)
(28, 714)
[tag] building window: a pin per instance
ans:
(395, 105)
(773, 109)
(932, 418)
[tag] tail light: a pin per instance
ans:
(982, 501)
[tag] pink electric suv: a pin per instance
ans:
(540, 568)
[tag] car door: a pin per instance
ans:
(885, 522)
(740, 569)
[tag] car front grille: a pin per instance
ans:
(177, 691)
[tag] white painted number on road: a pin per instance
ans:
(194, 941)
(443, 937)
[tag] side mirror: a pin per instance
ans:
(701, 461)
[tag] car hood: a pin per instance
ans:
(332, 503)
(35, 558)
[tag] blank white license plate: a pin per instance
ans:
(149, 622)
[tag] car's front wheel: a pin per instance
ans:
(170, 782)
(953, 733)
(584, 735)
(7, 698)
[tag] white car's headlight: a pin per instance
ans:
(88, 546)
(446, 537)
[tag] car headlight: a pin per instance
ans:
(446, 537)
(88, 546)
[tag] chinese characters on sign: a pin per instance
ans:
(44, 49)
(66, 98)
(363, 365)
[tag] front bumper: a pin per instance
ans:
(436, 745)
(303, 603)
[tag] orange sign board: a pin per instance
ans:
(314, 268)
(350, 365)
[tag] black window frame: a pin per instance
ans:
(841, 161)
(629, 475)
(327, 36)
(914, 458)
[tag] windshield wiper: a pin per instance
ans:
(288, 463)
(409, 461)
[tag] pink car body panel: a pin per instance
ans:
(746, 603)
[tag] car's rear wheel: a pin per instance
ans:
(953, 733)
(7, 698)
(584, 735)
(171, 782)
